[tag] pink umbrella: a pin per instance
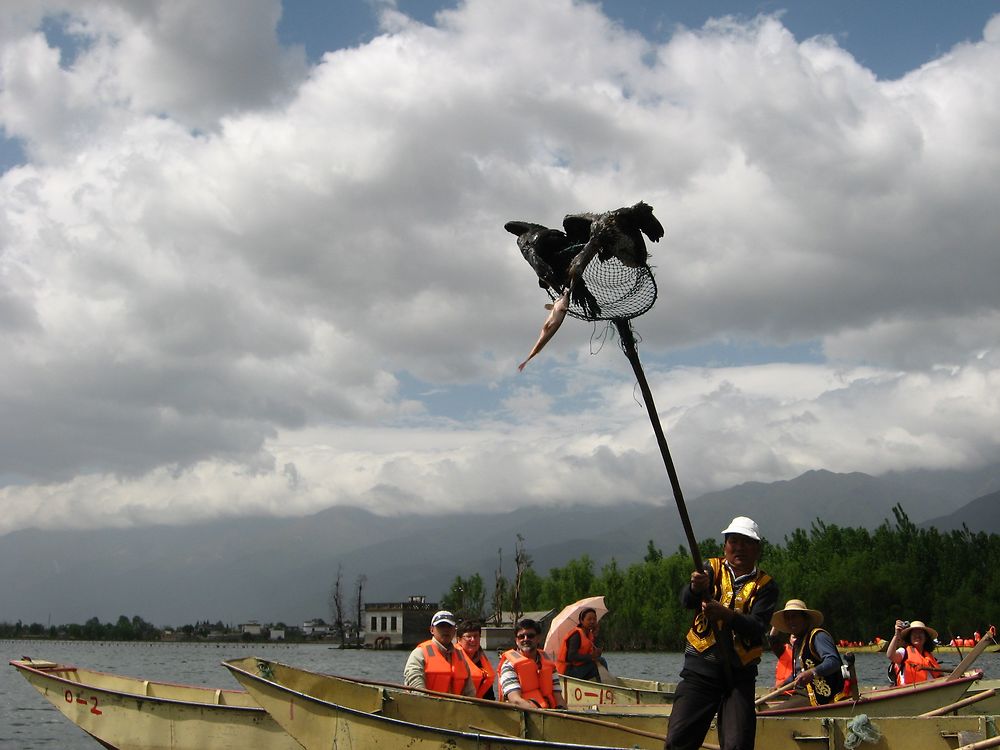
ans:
(568, 619)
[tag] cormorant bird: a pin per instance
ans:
(550, 252)
(616, 233)
(545, 250)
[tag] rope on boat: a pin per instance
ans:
(860, 729)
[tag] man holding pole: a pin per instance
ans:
(734, 601)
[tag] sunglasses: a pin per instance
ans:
(522, 636)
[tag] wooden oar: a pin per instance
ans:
(960, 704)
(606, 676)
(765, 698)
(982, 744)
(973, 654)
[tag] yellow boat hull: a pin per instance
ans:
(128, 713)
(314, 708)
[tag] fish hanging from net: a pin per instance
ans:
(599, 258)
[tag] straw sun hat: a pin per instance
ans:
(917, 625)
(796, 605)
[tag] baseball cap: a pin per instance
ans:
(443, 616)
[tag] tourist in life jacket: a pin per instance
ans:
(578, 654)
(436, 664)
(910, 650)
(817, 669)
(469, 635)
(733, 602)
(528, 678)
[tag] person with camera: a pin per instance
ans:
(910, 652)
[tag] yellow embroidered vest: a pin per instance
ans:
(700, 635)
(822, 690)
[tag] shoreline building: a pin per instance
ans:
(398, 624)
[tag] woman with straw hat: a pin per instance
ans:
(910, 650)
(817, 666)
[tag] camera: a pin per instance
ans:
(906, 624)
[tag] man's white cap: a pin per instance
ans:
(743, 526)
(443, 616)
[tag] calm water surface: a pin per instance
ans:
(29, 722)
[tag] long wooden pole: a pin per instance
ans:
(973, 654)
(765, 698)
(628, 346)
(982, 744)
(960, 704)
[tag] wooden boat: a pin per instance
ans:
(321, 710)
(869, 648)
(615, 691)
(314, 707)
(990, 649)
(904, 700)
(127, 713)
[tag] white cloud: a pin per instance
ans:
(118, 61)
(219, 271)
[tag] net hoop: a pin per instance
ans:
(622, 292)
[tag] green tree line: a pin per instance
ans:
(861, 580)
(125, 629)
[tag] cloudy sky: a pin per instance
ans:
(252, 257)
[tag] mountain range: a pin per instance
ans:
(282, 569)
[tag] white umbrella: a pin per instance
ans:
(568, 619)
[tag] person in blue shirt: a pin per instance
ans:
(817, 668)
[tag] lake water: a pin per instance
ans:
(29, 722)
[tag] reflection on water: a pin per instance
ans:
(29, 722)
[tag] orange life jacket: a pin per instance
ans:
(912, 663)
(482, 673)
(535, 679)
(586, 647)
(784, 668)
(442, 674)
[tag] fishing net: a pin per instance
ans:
(622, 292)
(860, 729)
